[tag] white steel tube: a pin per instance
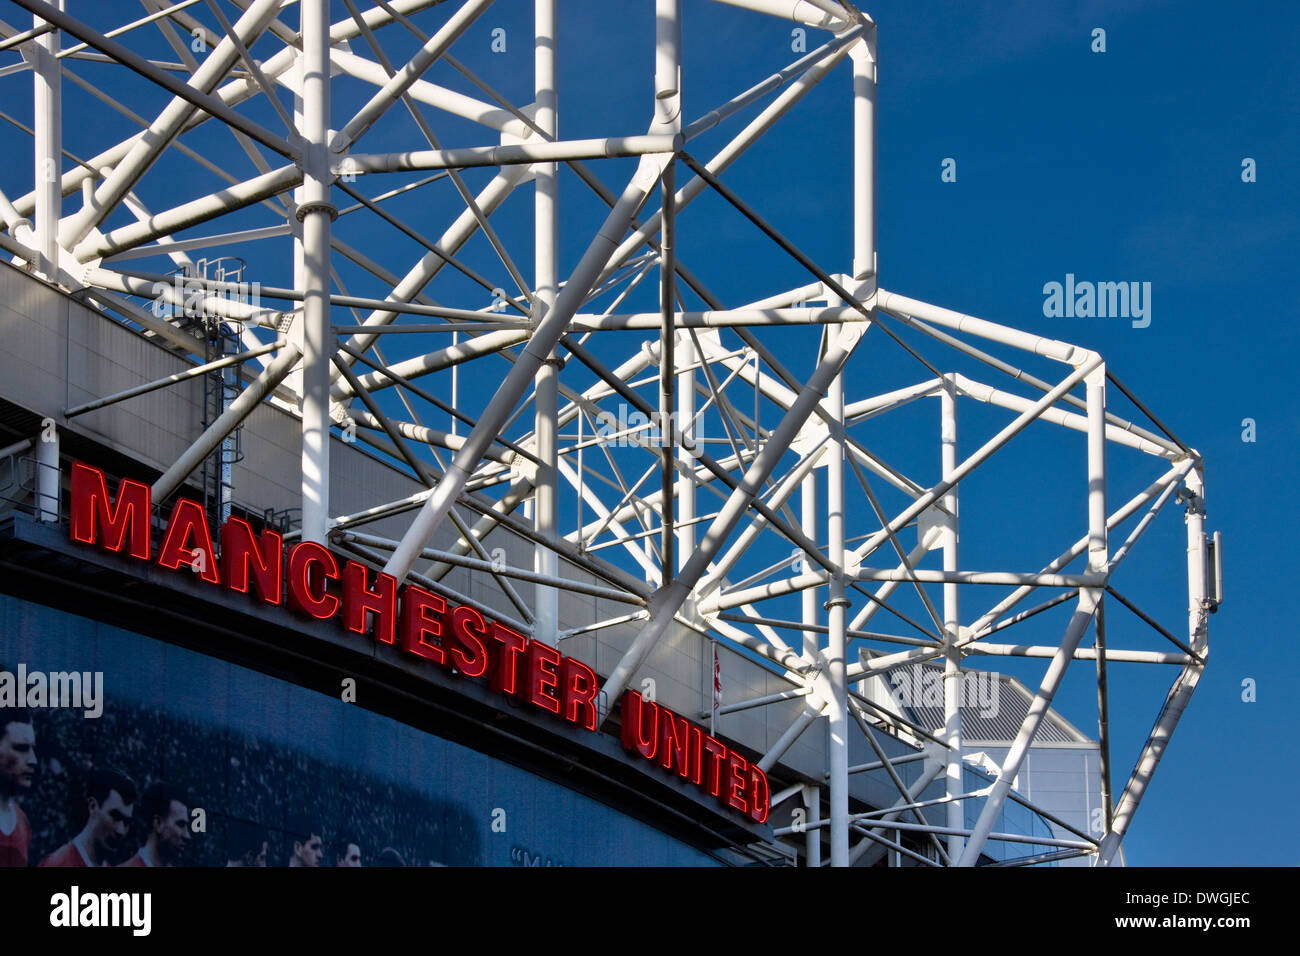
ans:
(1088, 579)
(436, 361)
(316, 213)
(864, 156)
(1057, 416)
(812, 709)
(509, 154)
(812, 801)
(184, 293)
(189, 214)
(1051, 348)
(1098, 546)
(866, 407)
(401, 81)
(837, 705)
(1082, 654)
(685, 491)
(47, 124)
(48, 476)
(439, 97)
(156, 384)
(952, 674)
(808, 524)
(719, 318)
(799, 11)
(546, 403)
(759, 90)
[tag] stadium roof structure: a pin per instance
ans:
(705, 461)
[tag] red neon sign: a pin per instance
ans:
(674, 743)
(311, 582)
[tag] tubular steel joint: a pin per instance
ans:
(317, 206)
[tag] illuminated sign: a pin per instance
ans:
(313, 582)
(673, 742)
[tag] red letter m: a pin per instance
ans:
(95, 520)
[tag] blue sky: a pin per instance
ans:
(1127, 165)
(1117, 166)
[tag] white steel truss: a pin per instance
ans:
(680, 462)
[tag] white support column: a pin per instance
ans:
(546, 511)
(668, 120)
(47, 124)
(864, 266)
(812, 801)
(952, 674)
(316, 214)
(808, 524)
(837, 707)
(686, 358)
(864, 156)
(294, 379)
(48, 478)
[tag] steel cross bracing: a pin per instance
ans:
(699, 469)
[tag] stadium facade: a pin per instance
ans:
(642, 593)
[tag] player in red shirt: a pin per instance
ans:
(17, 766)
(163, 810)
(110, 797)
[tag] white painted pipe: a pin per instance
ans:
(507, 155)
(1075, 422)
(1050, 348)
(189, 214)
(952, 674)
(48, 475)
(798, 11)
(546, 511)
(47, 125)
(401, 81)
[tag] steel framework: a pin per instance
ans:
(693, 548)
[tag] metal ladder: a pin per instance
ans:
(221, 338)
